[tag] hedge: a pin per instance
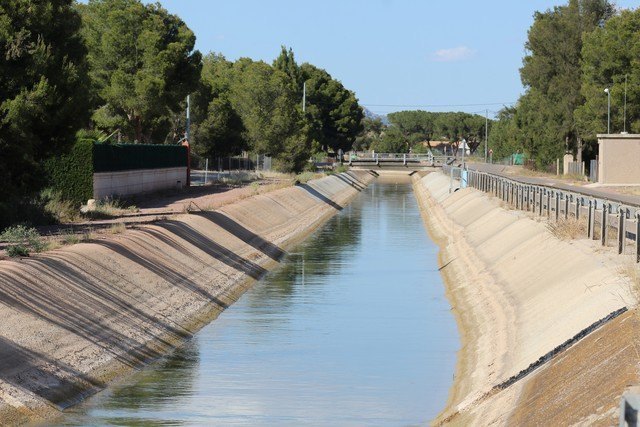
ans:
(121, 157)
(71, 174)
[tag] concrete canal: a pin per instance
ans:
(352, 329)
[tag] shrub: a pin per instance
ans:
(71, 174)
(23, 240)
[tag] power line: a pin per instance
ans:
(437, 105)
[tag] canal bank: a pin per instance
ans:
(526, 305)
(77, 318)
(352, 328)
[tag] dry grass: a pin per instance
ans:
(632, 272)
(110, 208)
(116, 228)
(568, 229)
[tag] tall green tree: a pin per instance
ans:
(504, 138)
(286, 62)
(268, 106)
(142, 65)
(217, 127)
(333, 111)
(43, 81)
(551, 74)
(609, 54)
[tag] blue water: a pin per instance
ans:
(352, 329)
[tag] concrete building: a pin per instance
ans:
(619, 159)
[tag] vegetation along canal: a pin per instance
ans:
(352, 329)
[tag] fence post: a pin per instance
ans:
(566, 206)
(577, 213)
(621, 217)
(557, 194)
(541, 193)
(637, 236)
(603, 226)
(548, 204)
(591, 221)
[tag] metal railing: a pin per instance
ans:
(602, 216)
(404, 158)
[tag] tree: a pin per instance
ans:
(142, 65)
(551, 73)
(392, 141)
(43, 80)
(268, 107)
(333, 111)
(609, 54)
(286, 62)
(504, 137)
(217, 127)
(370, 134)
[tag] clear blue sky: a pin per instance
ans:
(394, 54)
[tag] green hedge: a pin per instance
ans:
(71, 174)
(121, 157)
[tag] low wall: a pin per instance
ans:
(129, 182)
(78, 317)
(517, 292)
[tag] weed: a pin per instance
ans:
(62, 210)
(341, 168)
(305, 177)
(17, 250)
(110, 208)
(71, 239)
(255, 186)
(568, 229)
(23, 240)
(117, 228)
(631, 271)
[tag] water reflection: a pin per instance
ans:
(353, 329)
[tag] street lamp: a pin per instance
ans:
(608, 92)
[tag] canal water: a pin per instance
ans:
(352, 329)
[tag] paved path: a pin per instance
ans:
(604, 193)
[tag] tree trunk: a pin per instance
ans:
(579, 150)
(138, 127)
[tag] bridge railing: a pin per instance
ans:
(369, 157)
(610, 221)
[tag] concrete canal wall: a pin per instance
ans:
(521, 297)
(76, 318)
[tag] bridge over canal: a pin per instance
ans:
(396, 161)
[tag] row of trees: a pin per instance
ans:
(574, 52)
(415, 131)
(125, 68)
(256, 106)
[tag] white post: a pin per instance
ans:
(188, 125)
(486, 133)
(206, 170)
(304, 97)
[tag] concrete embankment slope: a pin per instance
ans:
(75, 318)
(519, 293)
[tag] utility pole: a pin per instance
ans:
(624, 117)
(486, 133)
(608, 92)
(304, 97)
(188, 125)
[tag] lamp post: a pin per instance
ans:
(608, 92)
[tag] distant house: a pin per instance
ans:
(447, 148)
